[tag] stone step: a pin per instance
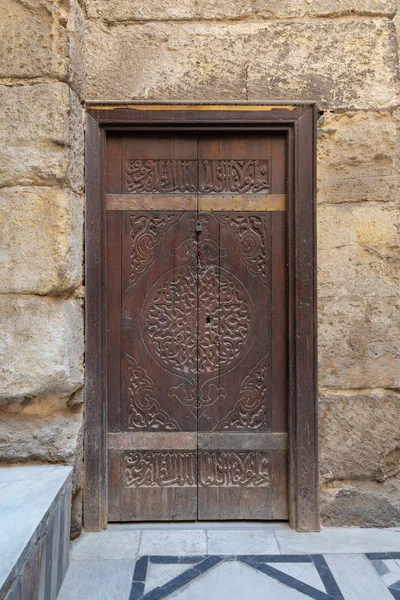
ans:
(35, 512)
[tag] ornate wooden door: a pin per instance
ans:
(196, 326)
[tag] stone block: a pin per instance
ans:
(359, 435)
(279, 9)
(396, 20)
(117, 10)
(34, 40)
(361, 504)
(224, 9)
(47, 438)
(76, 29)
(41, 346)
(41, 136)
(359, 342)
(76, 515)
(350, 63)
(356, 153)
(42, 39)
(77, 460)
(340, 8)
(166, 60)
(125, 10)
(339, 64)
(358, 250)
(41, 246)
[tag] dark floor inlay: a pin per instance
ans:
(266, 564)
(387, 564)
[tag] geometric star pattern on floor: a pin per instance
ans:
(301, 576)
(387, 565)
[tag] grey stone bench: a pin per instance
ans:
(35, 512)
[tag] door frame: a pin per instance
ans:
(298, 120)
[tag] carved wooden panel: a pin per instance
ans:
(146, 232)
(145, 411)
(252, 390)
(158, 323)
(156, 309)
(198, 341)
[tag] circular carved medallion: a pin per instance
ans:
(198, 322)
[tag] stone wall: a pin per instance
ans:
(42, 72)
(341, 53)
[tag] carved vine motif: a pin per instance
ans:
(207, 176)
(250, 233)
(206, 250)
(197, 400)
(170, 322)
(233, 469)
(249, 411)
(160, 469)
(185, 394)
(146, 232)
(148, 468)
(144, 410)
(225, 319)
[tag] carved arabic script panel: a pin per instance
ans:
(205, 176)
(179, 468)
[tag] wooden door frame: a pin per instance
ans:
(298, 120)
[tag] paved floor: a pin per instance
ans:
(233, 562)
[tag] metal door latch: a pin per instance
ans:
(199, 227)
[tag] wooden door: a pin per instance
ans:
(196, 326)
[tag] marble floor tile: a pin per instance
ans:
(106, 545)
(235, 563)
(241, 542)
(158, 575)
(97, 580)
(304, 572)
(169, 543)
(340, 540)
(236, 581)
(356, 577)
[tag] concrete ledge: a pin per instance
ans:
(35, 507)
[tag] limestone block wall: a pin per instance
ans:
(341, 53)
(42, 72)
(344, 55)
